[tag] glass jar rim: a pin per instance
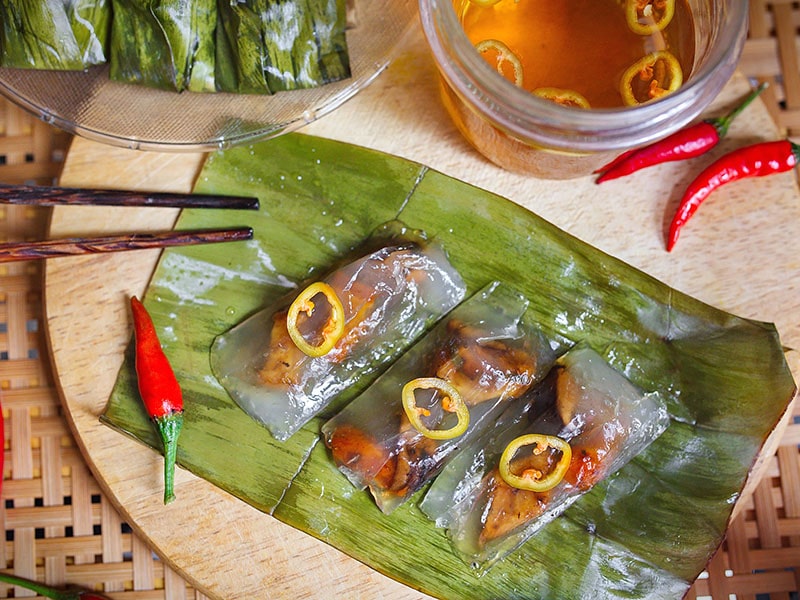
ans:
(530, 118)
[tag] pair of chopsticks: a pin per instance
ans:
(58, 196)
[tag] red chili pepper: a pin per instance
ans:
(2, 446)
(686, 143)
(756, 160)
(159, 390)
(49, 592)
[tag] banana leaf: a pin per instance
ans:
(645, 532)
(267, 46)
(61, 35)
(167, 44)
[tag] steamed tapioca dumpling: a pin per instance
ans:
(286, 363)
(582, 423)
(482, 355)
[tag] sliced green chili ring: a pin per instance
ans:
(533, 479)
(646, 17)
(330, 332)
(563, 97)
(451, 402)
(658, 74)
(504, 55)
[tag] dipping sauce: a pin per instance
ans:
(673, 56)
(585, 53)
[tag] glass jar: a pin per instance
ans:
(527, 134)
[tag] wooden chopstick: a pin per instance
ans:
(59, 196)
(14, 251)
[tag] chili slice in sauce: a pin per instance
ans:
(530, 478)
(502, 54)
(329, 332)
(562, 97)
(651, 77)
(451, 402)
(646, 17)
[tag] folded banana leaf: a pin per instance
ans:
(645, 532)
(267, 46)
(60, 34)
(166, 44)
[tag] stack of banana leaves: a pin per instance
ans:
(238, 46)
(60, 34)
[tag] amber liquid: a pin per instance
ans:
(579, 45)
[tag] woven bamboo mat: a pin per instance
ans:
(771, 55)
(61, 529)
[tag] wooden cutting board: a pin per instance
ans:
(739, 253)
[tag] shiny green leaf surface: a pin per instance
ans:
(60, 34)
(725, 379)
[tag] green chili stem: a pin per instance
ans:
(723, 123)
(39, 588)
(169, 427)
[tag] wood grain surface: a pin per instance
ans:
(739, 253)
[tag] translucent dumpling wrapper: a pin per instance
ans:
(484, 349)
(606, 420)
(390, 295)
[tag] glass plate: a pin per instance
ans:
(89, 104)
